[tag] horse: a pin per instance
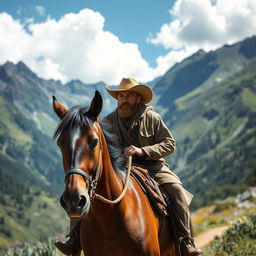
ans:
(91, 163)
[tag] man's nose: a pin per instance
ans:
(124, 100)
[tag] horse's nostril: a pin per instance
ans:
(82, 202)
(62, 202)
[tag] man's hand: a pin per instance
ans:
(132, 150)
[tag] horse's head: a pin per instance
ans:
(79, 137)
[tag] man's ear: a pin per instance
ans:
(139, 98)
(58, 108)
(96, 105)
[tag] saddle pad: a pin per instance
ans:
(151, 188)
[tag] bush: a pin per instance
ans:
(238, 240)
(38, 249)
(221, 206)
(6, 231)
(2, 220)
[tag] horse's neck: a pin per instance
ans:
(110, 183)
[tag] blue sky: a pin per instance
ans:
(131, 20)
(96, 40)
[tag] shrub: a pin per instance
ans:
(38, 249)
(238, 240)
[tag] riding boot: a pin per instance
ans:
(72, 246)
(180, 215)
(187, 247)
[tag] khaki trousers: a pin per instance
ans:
(180, 197)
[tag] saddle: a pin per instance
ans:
(151, 189)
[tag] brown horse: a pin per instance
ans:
(92, 163)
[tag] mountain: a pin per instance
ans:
(208, 101)
(214, 123)
(204, 70)
(33, 95)
(31, 171)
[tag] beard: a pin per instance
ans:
(126, 110)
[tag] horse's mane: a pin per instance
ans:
(114, 149)
(78, 116)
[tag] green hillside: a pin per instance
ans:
(31, 174)
(29, 166)
(208, 101)
(30, 215)
(215, 132)
(203, 70)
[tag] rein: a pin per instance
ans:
(117, 200)
(93, 182)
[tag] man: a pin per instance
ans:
(143, 135)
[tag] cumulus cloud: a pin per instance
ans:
(206, 24)
(40, 10)
(77, 46)
(74, 47)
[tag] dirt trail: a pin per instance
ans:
(204, 238)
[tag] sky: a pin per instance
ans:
(106, 40)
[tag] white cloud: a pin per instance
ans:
(74, 47)
(207, 24)
(203, 24)
(78, 47)
(40, 10)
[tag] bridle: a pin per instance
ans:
(93, 182)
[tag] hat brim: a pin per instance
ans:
(143, 90)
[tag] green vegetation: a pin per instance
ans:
(216, 137)
(238, 240)
(37, 249)
(209, 101)
(30, 216)
(221, 213)
(10, 123)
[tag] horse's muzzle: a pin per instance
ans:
(76, 205)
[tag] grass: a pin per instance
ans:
(36, 249)
(47, 124)
(222, 213)
(44, 215)
(238, 240)
(8, 126)
(249, 98)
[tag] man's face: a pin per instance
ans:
(127, 103)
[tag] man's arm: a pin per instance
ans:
(163, 144)
(132, 150)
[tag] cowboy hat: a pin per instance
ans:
(130, 84)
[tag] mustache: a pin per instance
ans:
(124, 105)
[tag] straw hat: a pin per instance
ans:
(130, 84)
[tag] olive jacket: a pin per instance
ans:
(150, 133)
(153, 136)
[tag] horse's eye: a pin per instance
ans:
(93, 143)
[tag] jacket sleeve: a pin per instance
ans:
(161, 142)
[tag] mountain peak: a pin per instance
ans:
(9, 65)
(248, 47)
(22, 67)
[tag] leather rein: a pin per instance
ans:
(94, 181)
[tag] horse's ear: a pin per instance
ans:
(59, 109)
(96, 105)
